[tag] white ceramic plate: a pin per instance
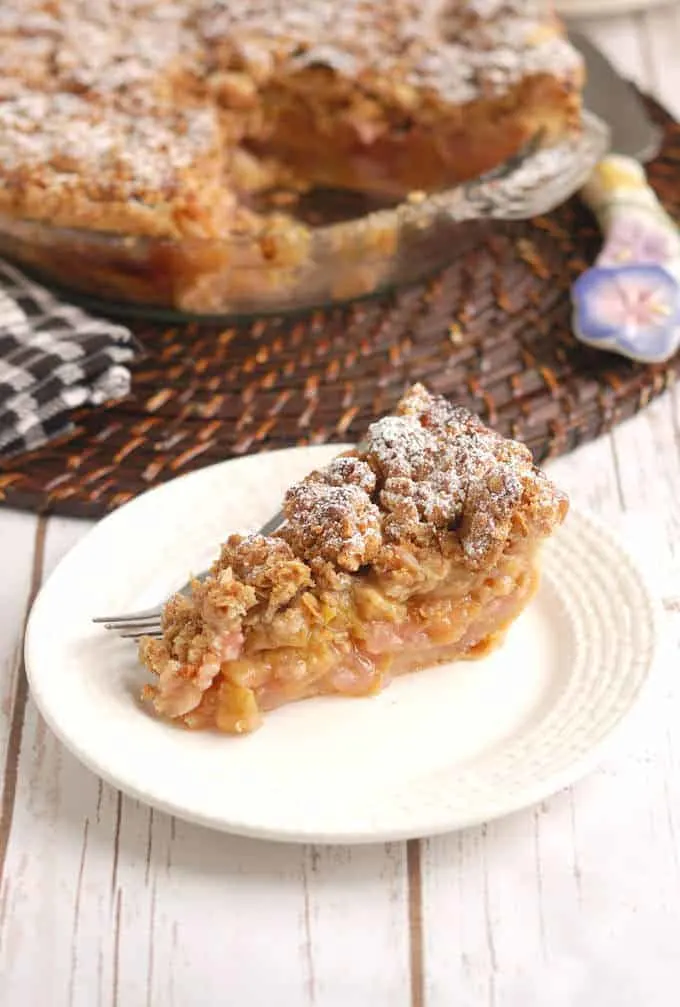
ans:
(438, 750)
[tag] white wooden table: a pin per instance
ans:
(574, 903)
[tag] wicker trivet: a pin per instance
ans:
(492, 331)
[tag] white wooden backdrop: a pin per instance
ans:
(574, 903)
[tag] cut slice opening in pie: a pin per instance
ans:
(418, 547)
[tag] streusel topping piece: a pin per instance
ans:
(430, 473)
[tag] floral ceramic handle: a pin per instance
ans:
(629, 301)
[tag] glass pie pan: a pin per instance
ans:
(301, 264)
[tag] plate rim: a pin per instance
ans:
(529, 795)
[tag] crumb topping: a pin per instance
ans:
(458, 49)
(435, 471)
(340, 524)
(348, 470)
(267, 566)
(62, 134)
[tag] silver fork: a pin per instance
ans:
(147, 622)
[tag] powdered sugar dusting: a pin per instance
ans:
(62, 137)
(459, 49)
(437, 474)
(340, 524)
(401, 445)
(102, 46)
(440, 467)
(105, 48)
(348, 470)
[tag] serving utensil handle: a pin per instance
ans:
(629, 301)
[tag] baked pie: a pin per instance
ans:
(103, 99)
(191, 121)
(419, 546)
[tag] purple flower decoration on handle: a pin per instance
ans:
(629, 302)
(631, 240)
(633, 310)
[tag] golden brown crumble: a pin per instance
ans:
(63, 156)
(340, 524)
(430, 519)
(267, 566)
(419, 476)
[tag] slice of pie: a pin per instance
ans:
(419, 546)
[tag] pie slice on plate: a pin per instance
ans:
(419, 546)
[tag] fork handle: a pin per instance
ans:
(130, 621)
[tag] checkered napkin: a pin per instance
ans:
(54, 358)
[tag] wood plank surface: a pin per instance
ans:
(131, 906)
(576, 902)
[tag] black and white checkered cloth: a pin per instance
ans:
(54, 358)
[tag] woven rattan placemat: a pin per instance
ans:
(492, 331)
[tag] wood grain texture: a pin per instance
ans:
(576, 902)
(18, 709)
(573, 903)
(500, 900)
(22, 551)
(133, 907)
